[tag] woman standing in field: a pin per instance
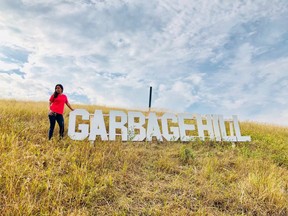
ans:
(56, 109)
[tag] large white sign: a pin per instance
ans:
(135, 126)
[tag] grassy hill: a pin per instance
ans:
(67, 177)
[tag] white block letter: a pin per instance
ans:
(175, 130)
(183, 127)
(132, 125)
(113, 125)
(237, 131)
(216, 127)
(153, 128)
(98, 126)
(224, 135)
(84, 128)
(202, 127)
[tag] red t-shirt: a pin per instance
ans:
(58, 103)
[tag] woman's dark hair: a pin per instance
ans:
(55, 93)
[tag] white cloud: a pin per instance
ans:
(227, 57)
(8, 66)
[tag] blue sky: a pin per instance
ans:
(200, 56)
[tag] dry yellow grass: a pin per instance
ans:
(67, 177)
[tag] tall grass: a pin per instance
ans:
(66, 177)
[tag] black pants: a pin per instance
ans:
(60, 120)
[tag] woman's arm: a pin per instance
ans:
(49, 111)
(68, 104)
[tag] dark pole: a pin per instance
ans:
(150, 97)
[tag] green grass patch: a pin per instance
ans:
(66, 177)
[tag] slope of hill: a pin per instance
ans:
(66, 177)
